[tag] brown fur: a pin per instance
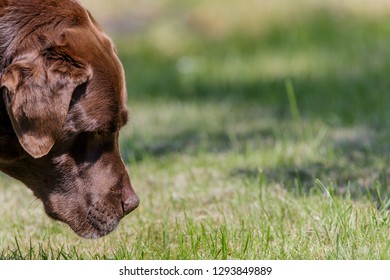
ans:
(63, 103)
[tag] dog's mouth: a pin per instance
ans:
(99, 220)
(96, 224)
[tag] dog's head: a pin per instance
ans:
(64, 92)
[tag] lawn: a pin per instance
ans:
(258, 130)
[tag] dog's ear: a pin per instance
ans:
(38, 91)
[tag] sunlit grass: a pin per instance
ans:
(240, 197)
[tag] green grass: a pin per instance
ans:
(255, 133)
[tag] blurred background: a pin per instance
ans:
(336, 53)
(223, 75)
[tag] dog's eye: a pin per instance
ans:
(105, 138)
(102, 133)
(101, 137)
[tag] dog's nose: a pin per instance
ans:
(130, 203)
(130, 200)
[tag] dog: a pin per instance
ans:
(63, 103)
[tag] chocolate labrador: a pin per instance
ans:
(63, 104)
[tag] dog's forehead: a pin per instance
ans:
(100, 104)
(104, 59)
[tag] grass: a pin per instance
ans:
(257, 131)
